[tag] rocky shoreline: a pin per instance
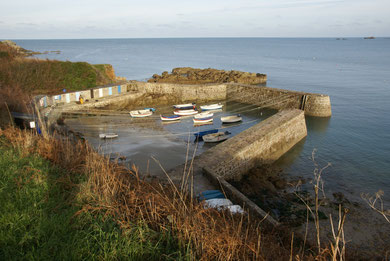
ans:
(188, 75)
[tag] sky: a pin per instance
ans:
(71, 19)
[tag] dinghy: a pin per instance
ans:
(141, 113)
(185, 112)
(216, 106)
(231, 119)
(170, 118)
(202, 133)
(108, 135)
(216, 137)
(202, 120)
(203, 115)
(186, 106)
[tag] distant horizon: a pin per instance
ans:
(206, 37)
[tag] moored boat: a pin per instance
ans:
(185, 112)
(202, 133)
(170, 118)
(215, 106)
(141, 113)
(231, 119)
(108, 135)
(203, 115)
(202, 120)
(186, 106)
(216, 137)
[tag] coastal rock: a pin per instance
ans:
(188, 75)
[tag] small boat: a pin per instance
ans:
(231, 119)
(186, 106)
(203, 115)
(185, 112)
(141, 113)
(202, 120)
(170, 118)
(210, 194)
(108, 135)
(202, 133)
(215, 106)
(216, 137)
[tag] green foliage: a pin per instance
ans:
(38, 218)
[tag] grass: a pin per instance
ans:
(40, 217)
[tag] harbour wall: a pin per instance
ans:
(312, 104)
(263, 143)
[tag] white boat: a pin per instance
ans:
(170, 118)
(185, 112)
(202, 120)
(215, 106)
(203, 115)
(216, 137)
(108, 135)
(231, 119)
(141, 113)
(184, 106)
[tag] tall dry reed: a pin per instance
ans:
(112, 189)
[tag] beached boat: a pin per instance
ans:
(202, 133)
(185, 112)
(186, 106)
(203, 115)
(216, 137)
(216, 106)
(170, 118)
(141, 113)
(108, 135)
(231, 119)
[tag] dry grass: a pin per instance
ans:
(120, 193)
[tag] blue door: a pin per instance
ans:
(119, 89)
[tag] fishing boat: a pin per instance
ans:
(186, 106)
(231, 119)
(108, 135)
(170, 118)
(185, 112)
(202, 133)
(216, 137)
(203, 115)
(141, 113)
(216, 106)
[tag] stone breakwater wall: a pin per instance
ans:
(261, 144)
(312, 104)
(182, 92)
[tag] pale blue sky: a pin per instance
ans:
(37, 19)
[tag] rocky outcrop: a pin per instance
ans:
(188, 75)
(17, 49)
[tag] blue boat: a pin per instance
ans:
(170, 118)
(202, 133)
(210, 194)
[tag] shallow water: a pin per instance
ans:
(149, 142)
(354, 72)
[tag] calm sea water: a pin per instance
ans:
(354, 72)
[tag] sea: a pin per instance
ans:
(354, 72)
